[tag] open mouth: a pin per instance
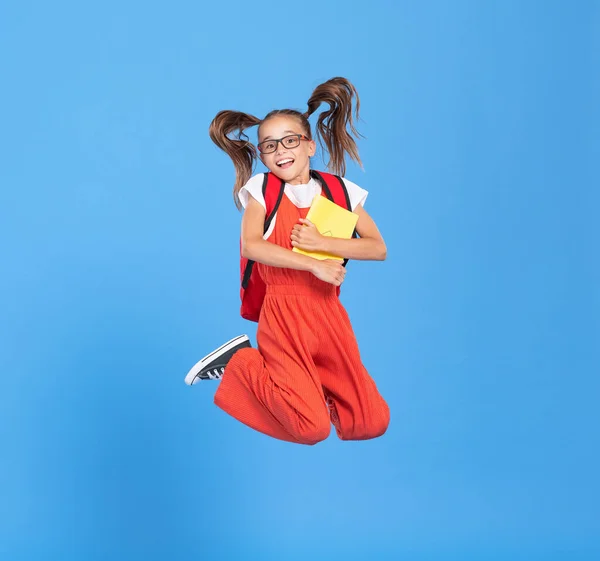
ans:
(284, 164)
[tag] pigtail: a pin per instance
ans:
(333, 124)
(241, 151)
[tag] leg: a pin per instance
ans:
(274, 389)
(358, 411)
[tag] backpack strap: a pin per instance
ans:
(272, 190)
(334, 188)
(336, 191)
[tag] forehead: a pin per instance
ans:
(279, 126)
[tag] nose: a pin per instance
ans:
(280, 147)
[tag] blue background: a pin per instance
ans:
(120, 269)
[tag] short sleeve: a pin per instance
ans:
(357, 194)
(254, 188)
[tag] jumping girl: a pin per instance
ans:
(307, 372)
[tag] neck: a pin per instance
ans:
(302, 178)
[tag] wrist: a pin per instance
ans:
(312, 264)
(303, 262)
(323, 244)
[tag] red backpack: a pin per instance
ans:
(253, 288)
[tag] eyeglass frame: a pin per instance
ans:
(280, 141)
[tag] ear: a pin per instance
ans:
(312, 148)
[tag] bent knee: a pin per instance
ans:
(313, 433)
(380, 427)
(382, 422)
(374, 428)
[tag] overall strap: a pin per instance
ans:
(272, 190)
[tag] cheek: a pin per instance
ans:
(268, 161)
(265, 158)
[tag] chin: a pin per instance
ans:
(285, 174)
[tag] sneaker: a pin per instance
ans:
(212, 366)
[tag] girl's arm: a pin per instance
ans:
(369, 247)
(256, 248)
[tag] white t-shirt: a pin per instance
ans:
(300, 195)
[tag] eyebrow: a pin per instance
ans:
(270, 137)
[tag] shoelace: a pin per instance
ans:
(217, 374)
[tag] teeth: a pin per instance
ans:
(284, 161)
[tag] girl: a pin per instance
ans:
(307, 371)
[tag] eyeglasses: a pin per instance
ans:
(290, 141)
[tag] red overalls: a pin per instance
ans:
(307, 371)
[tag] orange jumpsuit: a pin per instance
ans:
(307, 371)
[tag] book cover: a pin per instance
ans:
(331, 220)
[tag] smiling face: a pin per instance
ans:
(290, 164)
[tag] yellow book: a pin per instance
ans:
(331, 220)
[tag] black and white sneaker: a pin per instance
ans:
(212, 366)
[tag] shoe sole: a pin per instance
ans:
(197, 368)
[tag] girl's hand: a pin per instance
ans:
(329, 271)
(306, 236)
